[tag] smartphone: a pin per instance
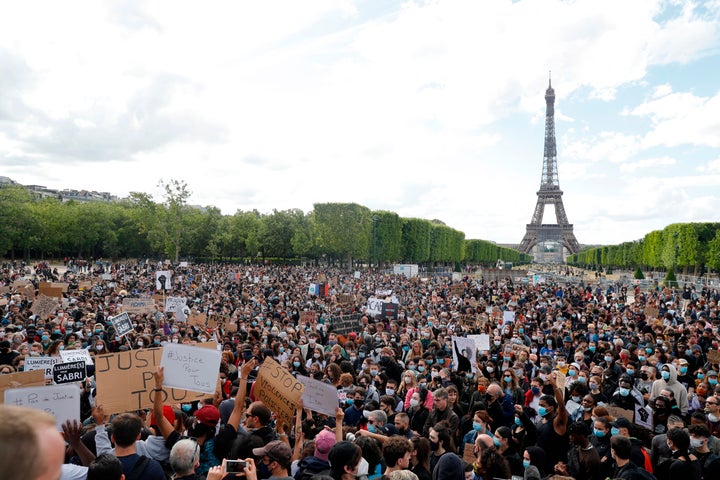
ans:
(235, 466)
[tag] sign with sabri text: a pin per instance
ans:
(61, 401)
(69, 372)
(41, 363)
(278, 390)
(190, 368)
(82, 355)
(122, 323)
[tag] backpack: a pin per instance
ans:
(138, 468)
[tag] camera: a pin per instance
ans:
(235, 466)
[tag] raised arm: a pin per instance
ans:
(561, 419)
(339, 416)
(239, 406)
(72, 436)
(163, 424)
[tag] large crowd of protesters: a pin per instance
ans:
(586, 381)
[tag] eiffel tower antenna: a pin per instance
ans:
(538, 234)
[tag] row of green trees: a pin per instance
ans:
(142, 227)
(690, 247)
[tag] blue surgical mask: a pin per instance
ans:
(296, 364)
(712, 381)
(683, 370)
(518, 422)
(641, 358)
(478, 427)
(614, 431)
(421, 368)
(591, 348)
(507, 379)
(496, 442)
(700, 376)
(526, 463)
(372, 428)
(572, 373)
(630, 371)
(649, 351)
(186, 407)
(665, 375)
(542, 411)
(624, 392)
(598, 433)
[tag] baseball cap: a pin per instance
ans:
(324, 441)
(168, 413)
(208, 415)
(277, 450)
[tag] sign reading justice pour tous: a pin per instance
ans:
(191, 368)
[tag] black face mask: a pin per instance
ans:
(359, 403)
(643, 375)
(434, 445)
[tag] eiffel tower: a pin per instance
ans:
(537, 233)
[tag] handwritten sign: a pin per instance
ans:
(125, 380)
(190, 368)
(61, 401)
(43, 306)
(319, 396)
(138, 305)
(197, 319)
(35, 378)
(345, 298)
(482, 341)
(84, 285)
(163, 280)
(374, 306)
(278, 390)
(651, 312)
(122, 323)
(69, 372)
(173, 304)
(82, 355)
(457, 289)
(41, 363)
(344, 324)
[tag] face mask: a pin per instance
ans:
(496, 442)
(608, 359)
(296, 364)
(572, 373)
(665, 375)
(373, 372)
(506, 359)
(614, 431)
(99, 347)
(361, 354)
(535, 390)
(641, 358)
(45, 338)
(507, 379)
(186, 407)
(421, 368)
(174, 340)
(592, 349)
(526, 463)
(630, 371)
(549, 343)
(542, 411)
(282, 349)
(414, 403)
(434, 374)
(469, 375)
(649, 351)
(560, 364)
(390, 391)
(478, 427)
(518, 422)
(624, 392)
(598, 433)
(695, 442)
(533, 350)
(712, 381)
(700, 376)
(496, 343)
(683, 370)
(358, 403)
(576, 399)
(434, 445)
(490, 369)
(372, 428)
(429, 361)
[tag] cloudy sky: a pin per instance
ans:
(429, 109)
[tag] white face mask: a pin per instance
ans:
(414, 403)
(99, 347)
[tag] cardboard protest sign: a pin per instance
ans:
(651, 312)
(125, 381)
(20, 283)
(278, 390)
(122, 323)
(197, 319)
(191, 368)
(618, 412)
(41, 363)
(60, 401)
(469, 453)
(34, 378)
(69, 372)
(345, 298)
(344, 324)
(84, 285)
(61, 285)
(319, 396)
(463, 354)
(81, 355)
(43, 306)
(4, 290)
(47, 289)
(457, 289)
(163, 280)
(138, 305)
(29, 292)
(173, 304)
(308, 316)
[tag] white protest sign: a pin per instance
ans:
(482, 341)
(319, 396)
(464, 354)
(69, 356)
(190, 368)
(374, 306)
(61, 401)
(173, 304)
(41, 363)
(163, 280)
(183, 264)
(122, 323)
(644, 416)
(508, 317)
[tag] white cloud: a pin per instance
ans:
(631, 167)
